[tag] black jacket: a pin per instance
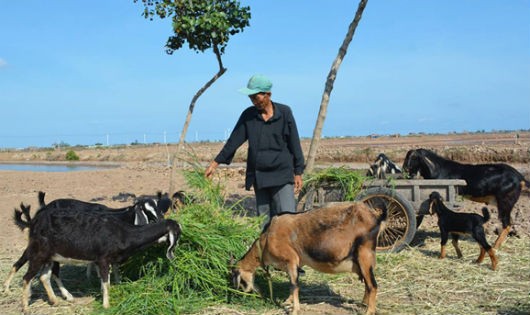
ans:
(274, 151)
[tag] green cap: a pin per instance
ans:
(257, 83)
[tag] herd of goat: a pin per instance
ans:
(333, 239)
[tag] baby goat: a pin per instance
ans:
(77, 236)
(335, 239)
(455, 223)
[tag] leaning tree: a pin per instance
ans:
(203, 25)
(317, 132)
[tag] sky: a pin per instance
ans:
(88, 72)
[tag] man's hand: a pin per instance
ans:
(297, 183)
(210, 169)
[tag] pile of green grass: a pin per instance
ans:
(198, 276)
(348, 181)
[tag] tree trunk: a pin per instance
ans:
(173, 157)
(317, 132)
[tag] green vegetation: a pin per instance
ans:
(348, 181)
(198, 276)
(71, 156)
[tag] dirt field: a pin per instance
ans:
(143, 170)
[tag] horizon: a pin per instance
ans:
(147, 144)
(98, 73)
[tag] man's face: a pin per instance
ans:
(260, 100)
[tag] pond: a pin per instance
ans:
(35, 167)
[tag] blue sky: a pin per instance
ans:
(86, 72)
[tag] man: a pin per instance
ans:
(275, 160)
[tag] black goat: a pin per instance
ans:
(498, 184)
(72, 236)
(382, 166)
(144, 211)
(455, 223)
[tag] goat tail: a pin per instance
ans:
(42, 204)
(486, 214)
(19, 222)
(374, 231)
(383, 216)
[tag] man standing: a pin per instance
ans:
(275, 160)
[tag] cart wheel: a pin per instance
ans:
(400, 226)
(314, 197)
(307, 198)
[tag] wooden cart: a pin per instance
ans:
(405, 199)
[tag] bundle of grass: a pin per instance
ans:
(330, 184)
(198, 276)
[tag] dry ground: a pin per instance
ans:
(143, 170)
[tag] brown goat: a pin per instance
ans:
(334, 239)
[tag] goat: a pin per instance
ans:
(382, 166)
(144, 211)
(180, 199)
(455, 223)
(334, 239)
(162, 201)
(77, 236)
(497, 184)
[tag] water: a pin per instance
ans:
(27, 167)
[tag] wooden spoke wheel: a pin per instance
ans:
(400, 226)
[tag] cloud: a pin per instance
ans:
(3, 63)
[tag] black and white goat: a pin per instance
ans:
(382, 166)
(143, 211)
(69, 235)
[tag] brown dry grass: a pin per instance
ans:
(464, 147)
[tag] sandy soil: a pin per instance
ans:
(146, 173)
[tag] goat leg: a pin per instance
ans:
(502, 237)
(59, 282)
(455, 245)
(292, 270)
(116, 273)
(104, 269)
(16, 266)
(442, 252)
(493, 258)
(7, 283)
(26, 294)
(33, 269)
(45, 279)
(481, 256)
(444, 237)
(366, 263)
